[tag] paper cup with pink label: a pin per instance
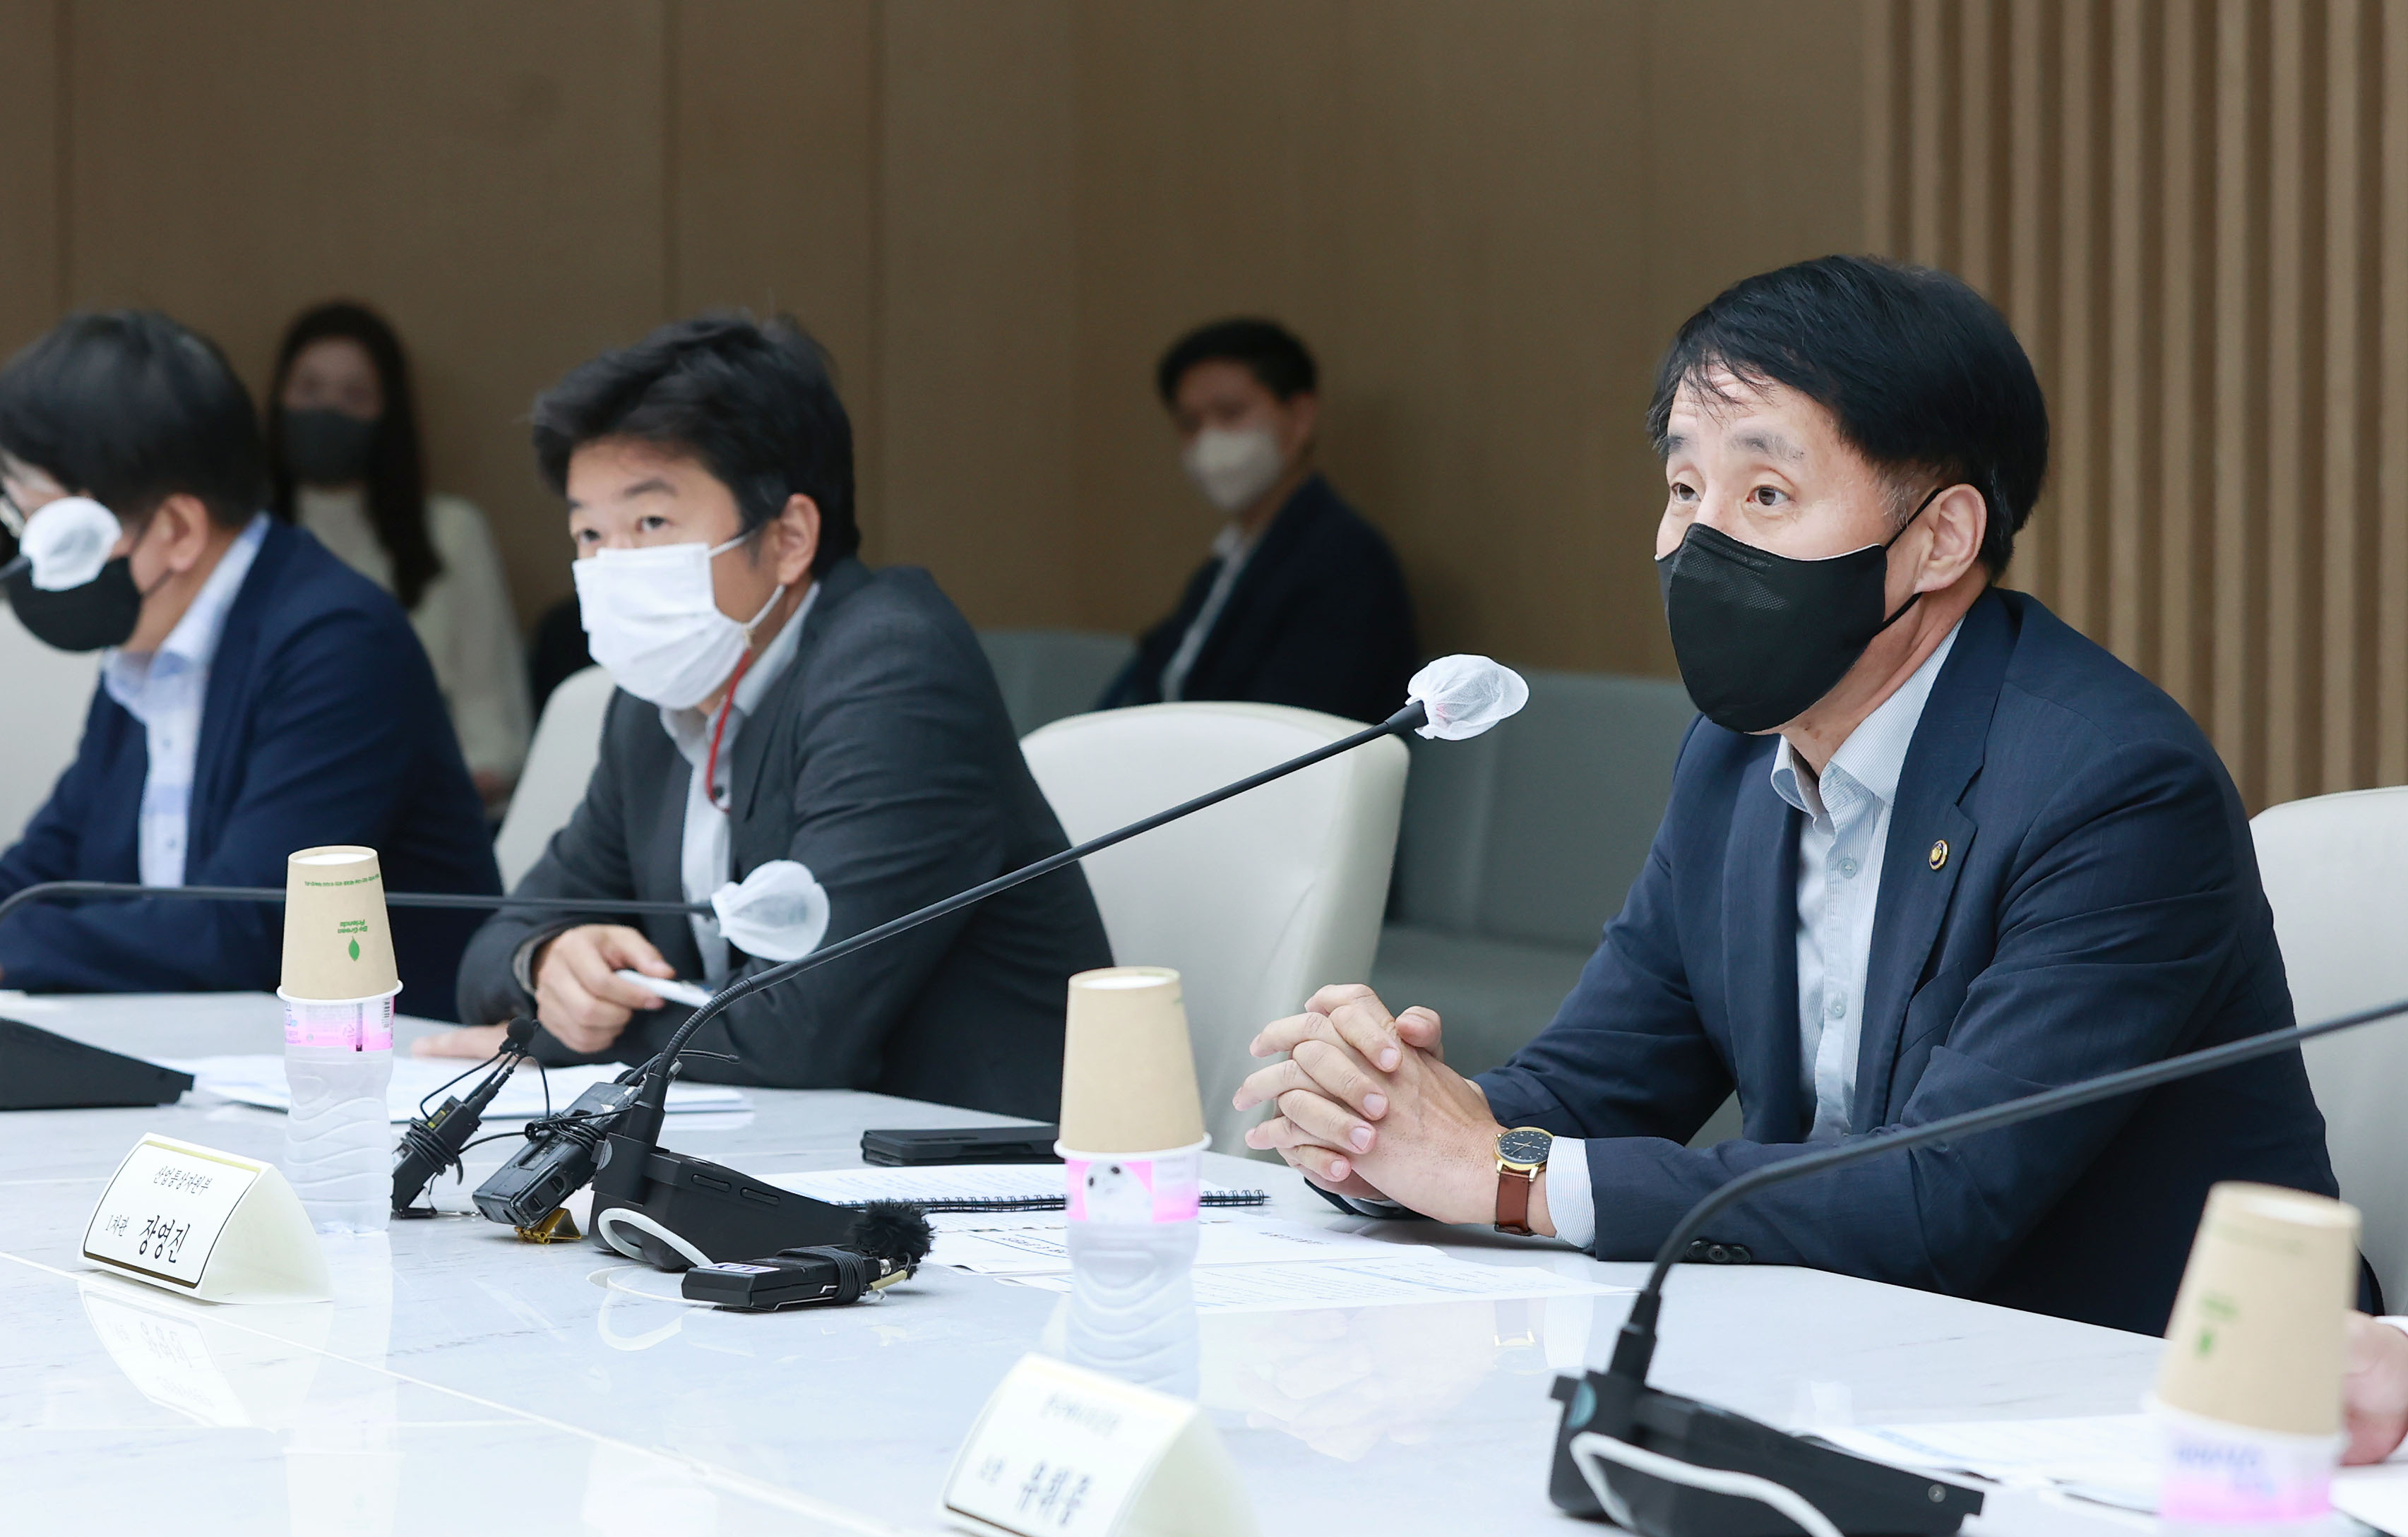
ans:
(1132, 1138)
(2249, 1386)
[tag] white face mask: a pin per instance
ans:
(1234, 466)
(654, 624)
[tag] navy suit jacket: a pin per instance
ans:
(1318, 618)
(2098, 906)
(322, 725)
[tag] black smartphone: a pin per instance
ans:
(962, 1145)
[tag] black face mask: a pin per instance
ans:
(323, 447)
(101, 613)
(1760, 637)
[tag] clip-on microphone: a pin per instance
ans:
(1666, 1466)
(432, 1144)
(722, 1214)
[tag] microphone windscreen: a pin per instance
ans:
(894, 1231)
(777, 912)
(1464, 695)
(67, 542)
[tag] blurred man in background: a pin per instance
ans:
(257, 696)
(1302, 602)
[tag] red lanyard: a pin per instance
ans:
(711, 764)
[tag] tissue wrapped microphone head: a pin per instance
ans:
(68, 540)
(1464, 695)
(777, 912)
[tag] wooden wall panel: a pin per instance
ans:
(31, 255)
(491, 176)
(2215, 312)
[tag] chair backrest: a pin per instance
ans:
(42, 712)
(1046, 674)
(1536, 831)
(568, 744)
(1258, 901)
(2336, 873)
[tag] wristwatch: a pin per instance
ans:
(1521, 1153)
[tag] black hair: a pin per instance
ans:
(396, 472)
(1924, 374)
(753, 400)
(128, 407)
(1268, 350)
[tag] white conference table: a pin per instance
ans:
(464, 1380)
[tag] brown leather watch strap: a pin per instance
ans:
(1513, 1200)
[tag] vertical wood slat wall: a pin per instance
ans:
(2195, 214)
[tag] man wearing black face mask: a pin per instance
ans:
(257, 696)
(1928, 850)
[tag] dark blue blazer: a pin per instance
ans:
(2097, 907)
(1318, 618)
(322, 725)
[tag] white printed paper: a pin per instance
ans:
(938, 1182)
(1064, 1452)
(1414, 1274)
(2110, 1459)
(1041, 1251)
(260, 1080)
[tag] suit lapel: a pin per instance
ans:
(1263, 566)
(1761, 955)
(216, 756)
(778, 710)
(1930, 837)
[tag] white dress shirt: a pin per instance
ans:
(707, 853)
(167, 690)
(1231, 546)
(464, 618)
(1839, 848)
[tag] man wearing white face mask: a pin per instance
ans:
(1302, 602)
(778, 702)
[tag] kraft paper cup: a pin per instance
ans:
(337, 940)
(2257, 1337)
(1128, 1074)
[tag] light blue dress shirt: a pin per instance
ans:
(165, 690)
(1840, 845)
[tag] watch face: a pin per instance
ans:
(1524, 1145)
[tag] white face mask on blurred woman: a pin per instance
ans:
(655, 625)
(1233, 466)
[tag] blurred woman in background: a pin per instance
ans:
(342, 430)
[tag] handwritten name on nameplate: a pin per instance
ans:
(208, 1224)
(1060, 1451)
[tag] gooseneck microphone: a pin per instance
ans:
(70, 890)
(1667, 1466)
(722, 1214)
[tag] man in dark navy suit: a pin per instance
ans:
(1927, 849)
(258, 696)
(1302, 602)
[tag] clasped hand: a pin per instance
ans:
(1367, 1107)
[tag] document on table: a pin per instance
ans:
(1408, 1274)
(260, 1080)
(2110, 1459)
(1022, 1183)
(1044, 1250)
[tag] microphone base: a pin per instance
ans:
(1862, 1497)
(40, 1071)
(726, 1215)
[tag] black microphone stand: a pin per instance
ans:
(724, 1214)
(1857, 1495)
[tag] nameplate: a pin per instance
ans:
(1060, 1451)
(211, 1225)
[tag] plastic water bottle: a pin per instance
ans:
(1132, 1241)
(338, 1142)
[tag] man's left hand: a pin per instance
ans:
(1433, 1147)
(2374, 1390)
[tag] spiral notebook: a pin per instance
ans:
(964, 1188)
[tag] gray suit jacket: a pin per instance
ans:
(884, 762)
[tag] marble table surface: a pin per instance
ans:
(463, 1379)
